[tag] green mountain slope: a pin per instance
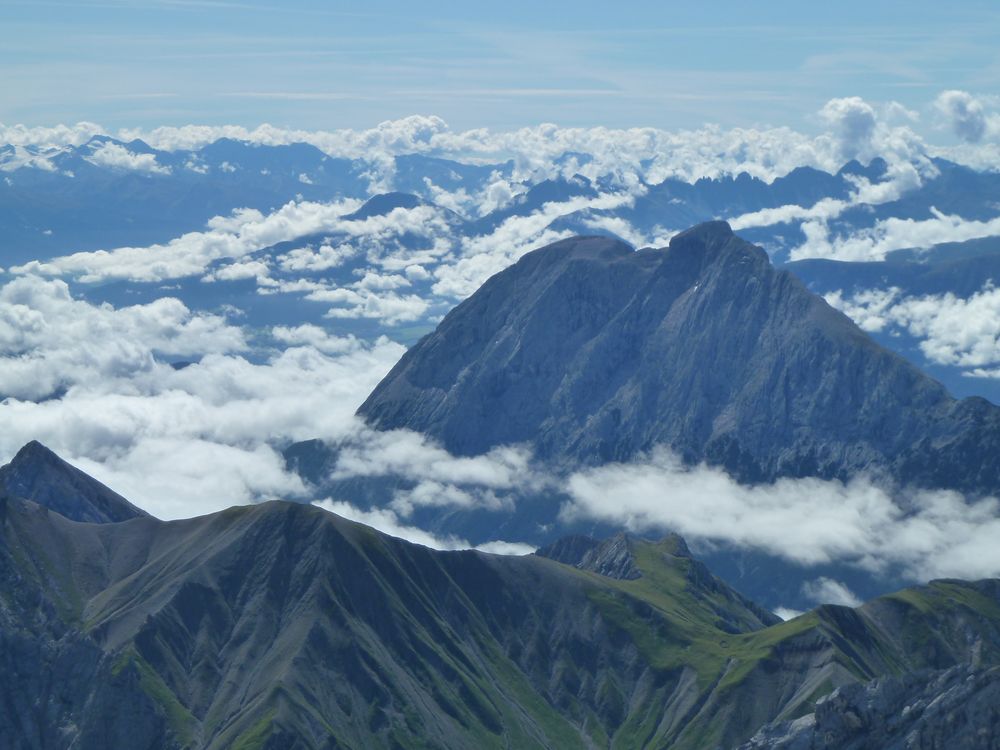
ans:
(284, 626)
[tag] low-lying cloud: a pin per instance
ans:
(874, 243)
(953, 330)
(920, 534)
(93, 382)
(388, 522)
(115, 156)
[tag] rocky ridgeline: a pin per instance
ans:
(592, 352)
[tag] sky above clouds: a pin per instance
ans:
(312, 64)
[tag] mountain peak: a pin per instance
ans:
(380, 205)
(706, 233)
(36, 473)
(592, 352)
(714, 243)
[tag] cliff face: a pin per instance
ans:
(592, 352)
(953, 708)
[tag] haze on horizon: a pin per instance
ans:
(305, 64)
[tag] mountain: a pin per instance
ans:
(956, 707)
(592, 352)
(38, 474)
(281, 625)
(54, 203)
(953, 269)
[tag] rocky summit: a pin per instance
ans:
(592, 352)
(38, 474)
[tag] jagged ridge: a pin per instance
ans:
(286, 626)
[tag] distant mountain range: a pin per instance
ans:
(107, 193)
(283, 626)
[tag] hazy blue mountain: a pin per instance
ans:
(80, 205)
(592, 352)
(283, 626)
(413, 172)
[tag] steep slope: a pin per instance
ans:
(953, 708)
(281, 625)
(38, 474)
(334, 635)
(593, 352)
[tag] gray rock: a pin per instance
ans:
(947, 709)
(38, 474)
(592, 352)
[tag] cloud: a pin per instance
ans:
(869, 308)
(316, 337)
(406, 453)
(50, 341)
(873, 243)
(853, 121)
(55, 136)
(390, 308)
(428, 476)
(89, 381)
(13, 158)
(828, 591)
(786, 613)
(243, 232)
(900, 178)
(481, 257)
(248, 269)
(920, 534)
(955, 331)
(323, 258)
(964, 114)
(115, 156)
(498, 194)
(388, 522)
(823, 210)
(168, 477)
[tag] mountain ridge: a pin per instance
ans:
(283, 625)
(592, 352)
(36, 473)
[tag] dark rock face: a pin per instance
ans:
(953, 708)
(593, 352)
(38, 474)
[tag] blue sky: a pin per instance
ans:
(327, 65)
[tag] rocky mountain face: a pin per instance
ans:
(592, 352)
(283, 626)
(38, 474)
(952, 708)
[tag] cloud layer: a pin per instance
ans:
(853, 128)
(952, 330)
(809, 522)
